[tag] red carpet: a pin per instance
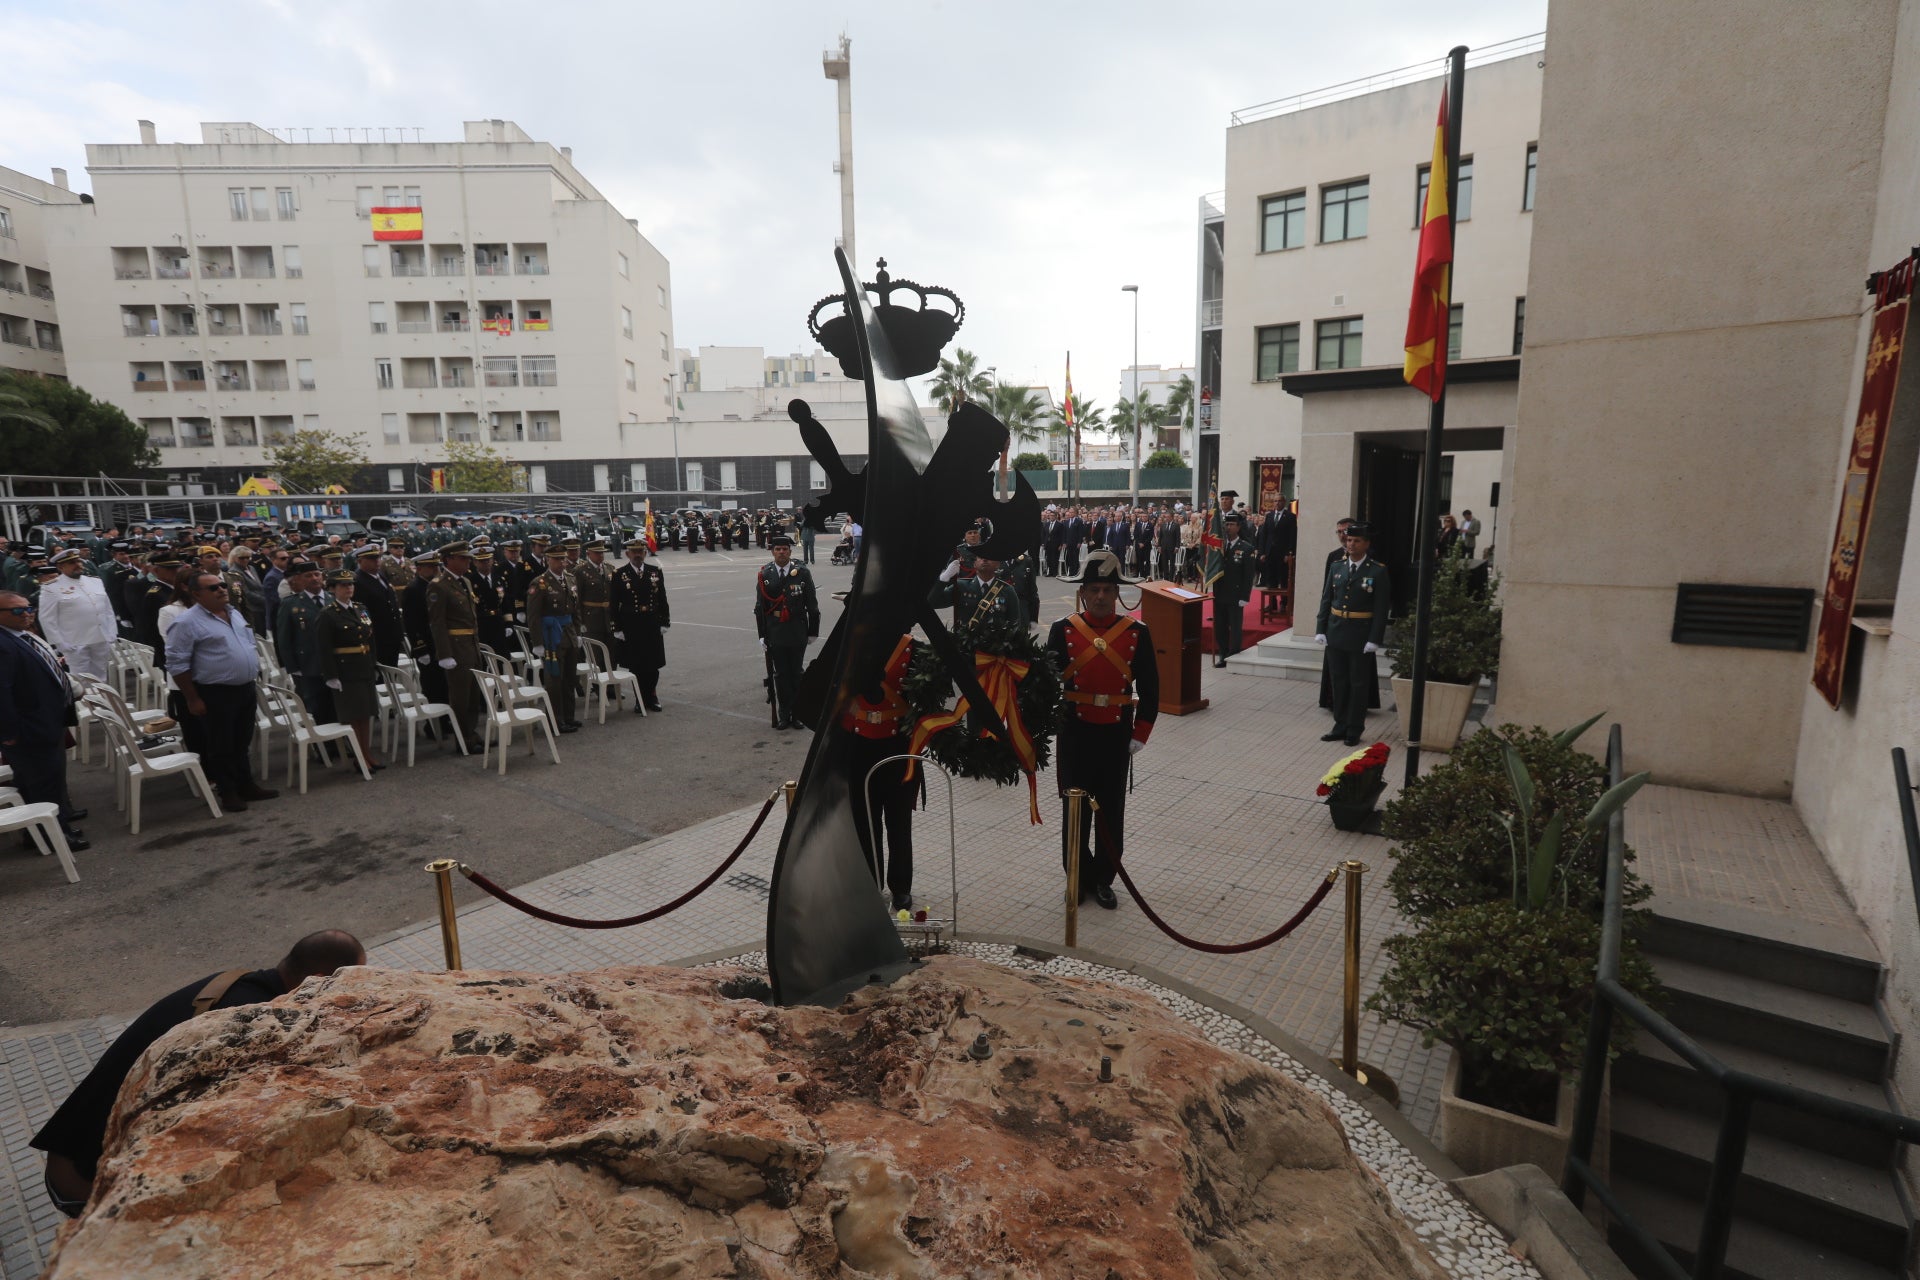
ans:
(1252, 629)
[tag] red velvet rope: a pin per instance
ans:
(1221, 948)
(575, 922)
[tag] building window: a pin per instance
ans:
(1464, 190)
(1456, 321)
(284, 196)
(536, 479)
(390, 428)
(6, 229)
(363, 200)
(370, 259)
(396, 480)
(1343, 211)
(782, 473)
(1283, 222)
(637, 476)
(633, 377)
(377, 316)
(1533, 167)
(1519, 324)
(383, 374)
(1338, 344)
(816, 477)
(309, 422)
(303, 369)
(602, 478)
(663, 346)
(729, 476)
(410, 198)
(390, 198)
(626, 322)
(298, 317)
(1279, 348)
(261, 209)
(662, 288)
(626, 268)
(539, 371)
(290, 260)
(237, 203)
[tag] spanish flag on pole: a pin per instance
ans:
(1427, 317)
(397, 223)
(653, 543)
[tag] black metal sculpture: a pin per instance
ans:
(828, 928)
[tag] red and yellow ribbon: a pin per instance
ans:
(999, 678)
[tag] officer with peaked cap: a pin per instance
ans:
(637, 604)
(786, 613)
(1352, 624)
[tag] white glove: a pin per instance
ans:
(539, 652)
(1371, 647)
(666, 626)
(334, 685)
(951, 572)
(1320, 639)
(1133, 747)
(763, 644)
(447, 664)
(619, 635)
(1245, 603)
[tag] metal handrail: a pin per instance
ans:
(1517, 46)
(1909, 823)
(1742, 1089)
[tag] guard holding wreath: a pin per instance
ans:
(1112, 698)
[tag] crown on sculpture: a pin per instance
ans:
(918, 332)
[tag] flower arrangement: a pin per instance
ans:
(1353, 774)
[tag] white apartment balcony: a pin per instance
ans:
(413, 326)
(180, 272)
(493, 268)
(215, 271)
(14, 286)
(41, 291)
(188, 384)
(1211, 310)
(271, 382)
(131, 273)
(502, 377)
(406, 269)
(450, 324)
(256, 271)
(264, 328)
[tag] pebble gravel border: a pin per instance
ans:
(1465, 1244)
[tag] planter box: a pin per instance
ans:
(1352, 814)
(1445, 714)
(1481, 1139)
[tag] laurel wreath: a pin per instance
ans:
(964, 749)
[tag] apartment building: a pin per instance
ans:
(30, 338)
(730, 368)
(1306, 258)
(229, 291)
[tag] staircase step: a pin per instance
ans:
(1821, 1197)
(1783, 949)
(1808, 1027)
(1755, 1250)
(1652, 1070)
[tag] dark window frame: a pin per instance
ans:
(1355, 335)
(1267, 213)
(1280, 342)
(1530, 178)
(1346, 202)
(1519, 323)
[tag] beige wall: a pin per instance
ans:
(28, 201)
(1694, 291)
(1383, 136)
(511, 192)
(1844, 784)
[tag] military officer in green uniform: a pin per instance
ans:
(1239, 563)
(395, 567)
(297, 633)
(987, 594)
(786, 613)
(553, 624)
(349, 667)
(1352, 624)
(593, 579)
(489, 593)
(453, 614)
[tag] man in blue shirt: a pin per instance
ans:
(211, 657)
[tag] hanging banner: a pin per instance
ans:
(397, 222)
(1273, 478)
(1892, 292)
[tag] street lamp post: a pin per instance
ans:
(1134, 289)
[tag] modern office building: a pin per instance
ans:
(1306, 259)
(30, 336)
(229, 291)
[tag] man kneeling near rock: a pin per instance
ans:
(72, 1139)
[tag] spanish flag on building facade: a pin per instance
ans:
(398, 223)
(1429, 314)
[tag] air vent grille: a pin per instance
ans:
(1742, 617)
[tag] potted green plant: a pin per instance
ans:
(1499, 870)
(1463, 645)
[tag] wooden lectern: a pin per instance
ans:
(1173, 614)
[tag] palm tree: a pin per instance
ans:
(19, 411)
(1180, 401)
(1087, 416)
(959, 379)
(1018, 409)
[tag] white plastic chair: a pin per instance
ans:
(307, 732)
(519, 690)
(150, 683)
(41, 822)
(136, 768)
(603, 677)
(408, 707)
(502, 716)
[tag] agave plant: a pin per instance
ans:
(1541, 859)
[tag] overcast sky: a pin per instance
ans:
(1031, 156)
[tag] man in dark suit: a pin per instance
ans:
(1076, 539)
(36, 706)
(1054, 541)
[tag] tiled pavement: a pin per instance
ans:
(1224, 837)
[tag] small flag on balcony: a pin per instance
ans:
(398, 223)
(535, 324)
(502, 325)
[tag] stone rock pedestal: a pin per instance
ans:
(637, 1122)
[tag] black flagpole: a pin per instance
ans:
(1436, 423)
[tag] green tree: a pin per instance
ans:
(1181, 402)
(961, 378)
(476, 467)
(1020, 409)
(1162, 458)
(53, 428)
(1033, 462)
(309, 461)
(1088, 416)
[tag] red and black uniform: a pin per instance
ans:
(1113, 697)
(878, 728)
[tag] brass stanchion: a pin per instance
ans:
(789, 787)
(442, 870)
(1076, 802)
(1374, 1078)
